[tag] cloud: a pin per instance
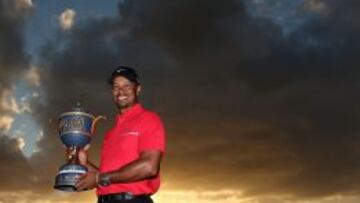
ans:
(24, 4)
(8, 102)
(13, 59)
(6, 123)
(246, 109)
(66, 19)
(16, 165)
(317, 6)
(40, 197)
(177, 196)
(33, 76)
(13, 62)
(21, 142)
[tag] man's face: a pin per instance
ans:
(125, 93)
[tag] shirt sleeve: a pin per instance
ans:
(153, 136)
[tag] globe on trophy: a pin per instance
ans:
(76, 128)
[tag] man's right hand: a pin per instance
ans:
(82, 154)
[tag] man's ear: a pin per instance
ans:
(138, 90)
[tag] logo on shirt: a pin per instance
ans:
(131, 133)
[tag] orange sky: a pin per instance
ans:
(173, 196)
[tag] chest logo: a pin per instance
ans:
(131, 133)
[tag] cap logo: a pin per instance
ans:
(120, 70)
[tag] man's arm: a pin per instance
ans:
(91, 167)
(145, 167)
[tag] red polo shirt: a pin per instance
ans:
(134, 131)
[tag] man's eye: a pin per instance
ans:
(125, 88)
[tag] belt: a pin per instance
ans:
(124, 196)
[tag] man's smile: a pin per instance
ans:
(122, 98)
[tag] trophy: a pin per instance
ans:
(75, 129)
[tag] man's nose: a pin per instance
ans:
(120, 91)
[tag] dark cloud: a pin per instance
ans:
(15, 170)
(245, 107)
(12, 56)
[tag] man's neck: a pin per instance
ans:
(123, 110)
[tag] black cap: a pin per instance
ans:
(127, 72)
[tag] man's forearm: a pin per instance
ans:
(135, 171)
(92, 167)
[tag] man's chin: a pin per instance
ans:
(123, 106)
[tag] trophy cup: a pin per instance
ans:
(75, 129)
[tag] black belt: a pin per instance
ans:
(124, 196)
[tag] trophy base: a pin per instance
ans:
(68, 176)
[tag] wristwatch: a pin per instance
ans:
(104, 180)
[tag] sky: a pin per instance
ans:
(259, 97)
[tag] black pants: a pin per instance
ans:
(140, 199)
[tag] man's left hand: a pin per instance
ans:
(86, 182)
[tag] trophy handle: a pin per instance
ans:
(95, 121)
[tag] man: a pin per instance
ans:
(132, 150)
